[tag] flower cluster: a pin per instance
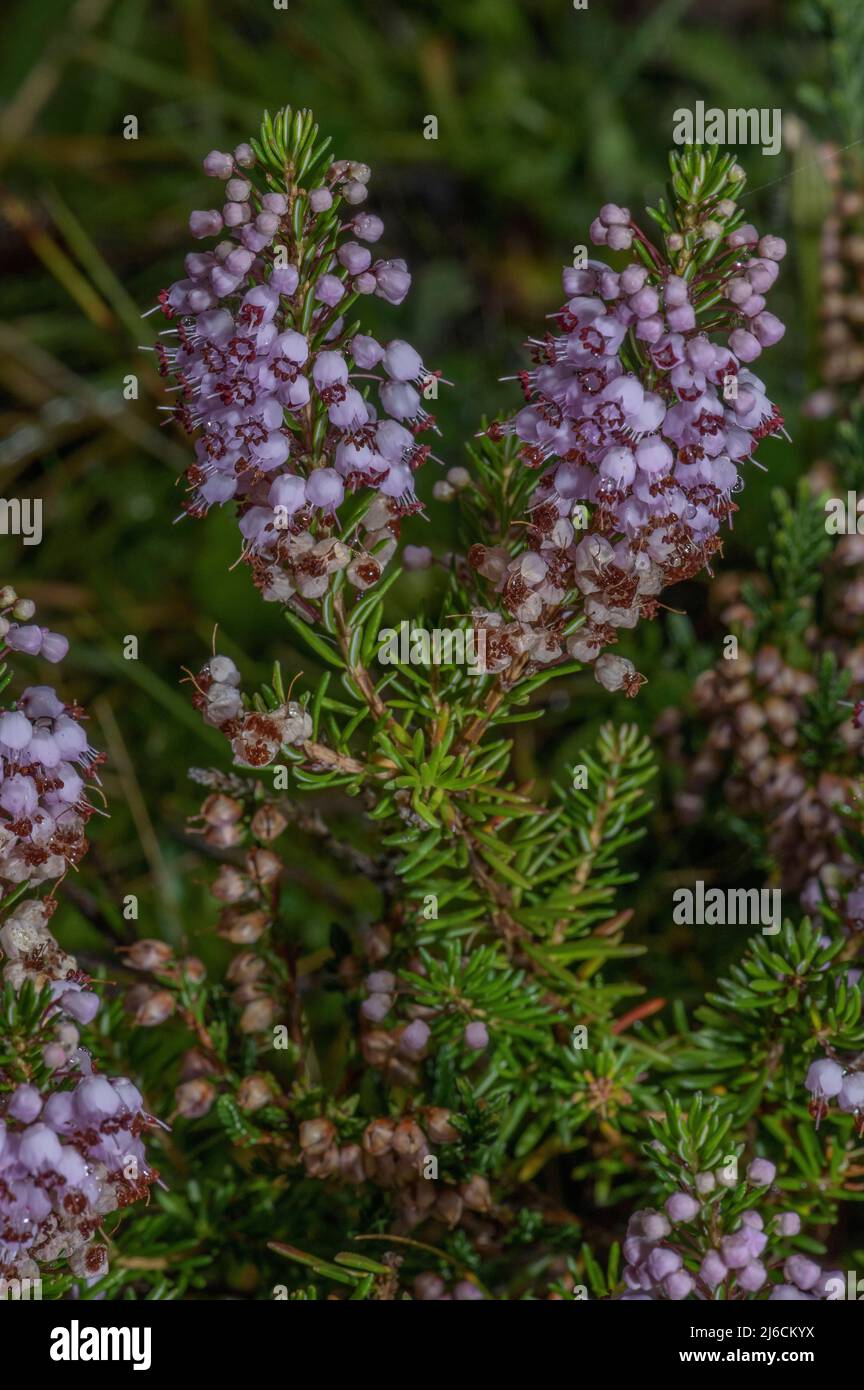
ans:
(68, 1157)
(415, 1056)
(410, 1040)
(44, 756)
(70, 1138)
(391, 1154)
(244, 892)
(32, 953)
(667, 1265)
(635, 412)
(256, 735)
(830, 1080)
(272, 378)
(757, 711)
(841, 276)
(754, 708)
(386, 1151)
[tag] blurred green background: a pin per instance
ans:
(544, 112)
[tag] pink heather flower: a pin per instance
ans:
(354, 192)
(712, 1269)
(25, 1104)
(368, 227)
(285, 279)
(735, 1250)
(392, 279)
(801, 1271)
(761, 1172)
(82, 1005)
(400, 400)
(752, 1277)
(203, 224)
(610, 215)
(44, 813)
(768, 328)
(658, 464)
(851, 1096)
(383, 981)
(15, 730)
(367, 353)
(681, 1207)
(234, 215)
(43, 1168)
(654, 1225)
(756, 1240)
(39, 1149)
(773, 248)
(402, 362)
(218, 165)
(428, 1287)
(676, 291)
(824, 1078)
(476, 1036)
(789, 1223)
(239, 356)
(644, 302)
(354, 257)
(96, 1099)
(681, 320)
(27, 639)
(633, 278)
(619, 238)
(329, 290)
(678, 1285)
(414, 1038)
(663, 1261)
(762, 275)
(376, 1007)
(54, 646)
(744, 345)
(745, 235)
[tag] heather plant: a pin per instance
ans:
(776, 720)
(71, 1149)
(487, 1045)
(408, 991)
(721, 1233)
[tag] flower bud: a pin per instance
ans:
(378, 1137)
(476, 1194)
(155, 1010)
(681, 1207)
(440, 1130)
(195, 1064)
(317, 1135)
(258, 1016)
(254, 1092)
(263, 865)
(268, 823)
(194, 1098)
(148, 954)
